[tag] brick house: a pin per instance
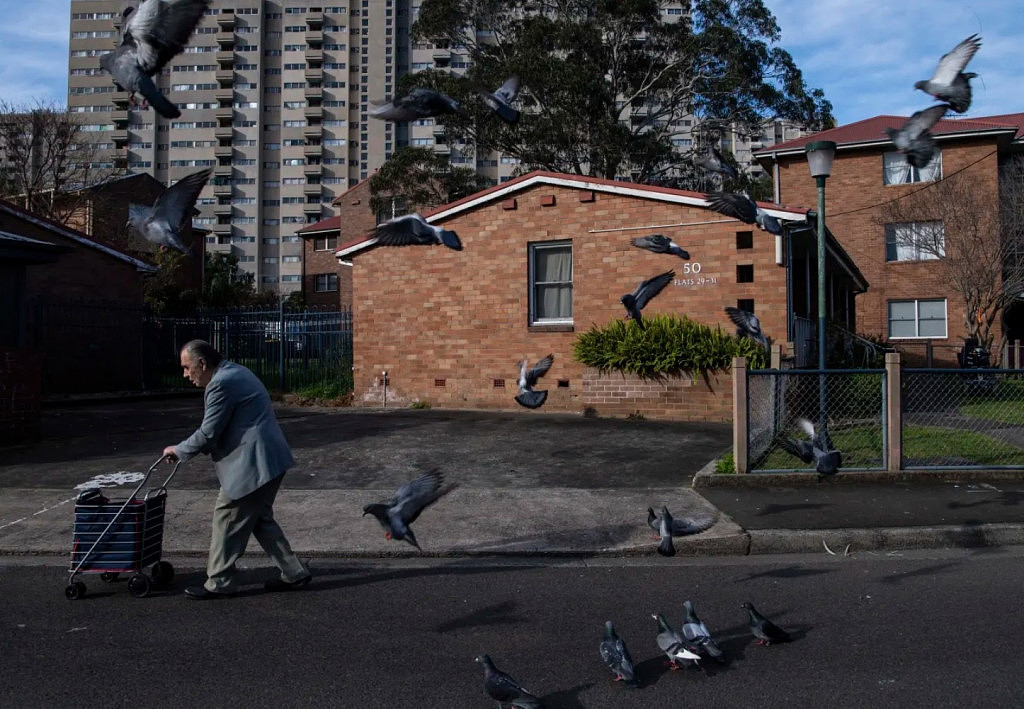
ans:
(80, 312)
(910, 302)
(448, 326)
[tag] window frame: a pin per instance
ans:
(330, 243)
(916, 229)
(917, 318)
(915, 172)
(328, 277)
(532, 250)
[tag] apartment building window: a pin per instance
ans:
(550, 276)
(325, 243)
(291, 259)
(291, 279)
(917, 318)
(915, 241)
(325, 282)
(897, 171)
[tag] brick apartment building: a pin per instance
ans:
(448, 326)
(910, 300)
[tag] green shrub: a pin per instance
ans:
(419, 404)
(725, 465)
(668, 345)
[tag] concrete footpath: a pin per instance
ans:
(528, 484)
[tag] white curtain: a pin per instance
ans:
(553, 279)
(897, 171)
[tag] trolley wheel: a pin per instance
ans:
(74, 591)
(108, 576)
(163, 573)
(138, 585)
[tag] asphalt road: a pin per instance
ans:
(921, 629)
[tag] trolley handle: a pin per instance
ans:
(177, 464)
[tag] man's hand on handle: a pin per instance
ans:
(170, 455)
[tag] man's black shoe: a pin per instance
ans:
(275, 585)
(201, 593)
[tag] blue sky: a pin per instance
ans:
(865, 54)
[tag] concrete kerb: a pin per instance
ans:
(707, 478)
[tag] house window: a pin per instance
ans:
(325, 282)
(325, 243)
(917, 318)
(897, 171)
(550, 282)
(745, 273)
(915, 241)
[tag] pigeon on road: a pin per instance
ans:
(635, 301)
(674, 644)
(412, 229)
(699, 636)
(502, 688)
(500, 101)
(616, 656)
(419, 103)
(747, 325)
(914, 138)
(742, 207)
(713, 161)
(528, 379)
(660, 244)
(161, 223)
(763, 629)
(817, 451)
(395, 515)
(949, 83)
(153, 34)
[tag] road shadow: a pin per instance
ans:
(497, 614)
(566, 698)
(788, 572)
(774, 509)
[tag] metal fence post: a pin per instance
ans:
(893, 412)
(282, 343)
(739, 414)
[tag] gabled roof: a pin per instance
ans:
(871, 131)
(541, 177)
(337, 200)
(25, 249)
(74, 235)
(328, 224)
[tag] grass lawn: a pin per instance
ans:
(1005, 403)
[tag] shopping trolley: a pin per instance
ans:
(112, 537)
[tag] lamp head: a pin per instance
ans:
(819, 157)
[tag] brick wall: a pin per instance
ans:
(679, 398)
(450, 326)
(853, 196)
(20, 396)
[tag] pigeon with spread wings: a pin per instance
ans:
(949, 83)
(742, 207)
(414, 230)
(395, 515)
(500, 101)
(419, 103)
(914, 137)
(634, 302)
(161, 224)
(527, 396)
(660, 244)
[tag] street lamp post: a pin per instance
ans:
(819, 158)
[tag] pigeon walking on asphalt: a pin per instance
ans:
(763, 629)
(748, 325)
(502, 688)
(395, 515)
(528, 379)
(501, 100)
(154, 34)
(419, 103)
(817, 451)
(616, 656)
(699, 636)
(914, 138)
(161, 224)
(635, 301)
(713, 161)
(742, 207)
(660, 244)
(414, 230)
(949, 83)
(674, 644)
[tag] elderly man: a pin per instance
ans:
(241, 434)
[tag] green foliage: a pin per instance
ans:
(603, 81)
(420, 178)
(330, 390)
(726, 465)
(668, 345)
(162, 291)
(226, 285)
(419, 404)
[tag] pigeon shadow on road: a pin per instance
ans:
(901, 576)
(787, 572)
(773, 509)
(651, 670)
(585, 538)
(566, 698)
(327, 579)
(496, 614)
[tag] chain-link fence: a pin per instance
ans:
(962, 418)
(851, 402)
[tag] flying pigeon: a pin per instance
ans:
(412, 229)
(673, 644)
(500, 101)
(742, 207)
(664, 525)
(503, 688)
(712, 161)
(677, 527)
(419, 103)
(154, 34)
(528, 379)
(949, 83)
(747, 325)
(635, 301)
(763, 629)
(914, 139)
(660, 244)
(699, 636)
(818, 450)
(616, 656)
(395, 515)
(161, 223)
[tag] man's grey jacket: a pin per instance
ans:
(240, 432)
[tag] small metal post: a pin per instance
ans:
(739, 418)
(384, 388)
